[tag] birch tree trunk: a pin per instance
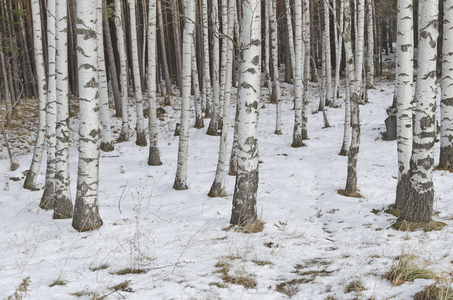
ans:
(30, 180)
(347, 122)
(267, 46)
(275, 80)
(328, 59)
(217, 188)
(86, 208)
(224, 18)
(446, 104)
(338, 49)
(154, 153)
(165, 71)
(351, 179)
(298, 80)
(420, 193)
(181, 171)
(359, 46)
(106, 133)
(245, 190)
(140, 125)
(289, 24)
(306, 67)
(405, 78)
(370, 49)
(48, 197)
(63, 203)
(207, 90)
(199, 122)
(214, 123)
(124, 135)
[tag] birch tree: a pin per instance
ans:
(338, 35)
(420, 190)
(275, 71)
(446, 104)
(30, 180)
(63, 203)
(48, 197)
(289, 24)
(306, 67)
(207, 91)
(328, 60)
(404, 85)
(298, 80)
(189, 26)
(370, 49)
(245, 190)
(351, 179)
(140, 124)
(154, 154)
(217, 189)
(214, 123)
(267, 46)
(360, 20)
(124, 135)
(86, 208)
(199, 122)
(106, 133)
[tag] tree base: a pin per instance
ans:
(86, 217)
(154, 157)
(123, 137)
(403, 225)
(29, 182)
(297, 142)
(48, 198)
(217, 190)
(278, 132)
(349, 194)
(343, 152)
(212, 128)
(180, 185)
(141, 139)
(199, 123)
(63, 208)
(107, 147)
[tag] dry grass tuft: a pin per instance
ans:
(21, 290)
(291, 287)
(346, 194)
(392, 210)
(355, 285)
(252, 227)
(440, 290)
(407, 267)
(403, 225)
(130, 271)
(123, 286)
(246, 281)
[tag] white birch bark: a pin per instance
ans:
(306, 67)
(446, 104)
(124, 135)
(207, 90)
(217, 188)
(224, 18)
(86, 208)
(140, 124)
(63, 203)
(267, 46)
(106, 133)
(404, 83)
(48, 197)
(275, 72)
(338, 31)
(351, 180)
(347, 122)
(154, 153)
(359, 49)
(214, 123)
(298, 80)
(30, 180)
(199, 122)
(370, 50)
(289, 24)
(328, 60)
(181, 171)
(245, 190)
(420, 195)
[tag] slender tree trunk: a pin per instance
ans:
(245, 190)
(420, 192)
(298, 80)
(181, 172)
(306, 75)
(267, 46)
(164, 61)
(275, 80)
(199, 122)
(207, 91)
(347, 122)
(338, 50)
(370, 49)
(446, 104)
(177, 40)
(359, 46)
(86, 208)
(404, 83)
(140, 125)
(289, 24)
(217, 188)
(328, 60)
(48, 197)
(124, 135)
(154, 153)
(30, 180)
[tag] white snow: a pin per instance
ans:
(179, 236)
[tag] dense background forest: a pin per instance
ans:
(223, 149)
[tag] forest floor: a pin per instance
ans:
(315, 244)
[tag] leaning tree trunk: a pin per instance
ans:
(404, 82)
(63, 203)
(351, 179)
(86, 208)
(446, 104)
(245, 190)
(181, 171)
(47, 199)
(30, 180)
(217, 189)
(420, 191)
(154, 153)
(106, 133)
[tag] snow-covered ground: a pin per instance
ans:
(314, 242)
